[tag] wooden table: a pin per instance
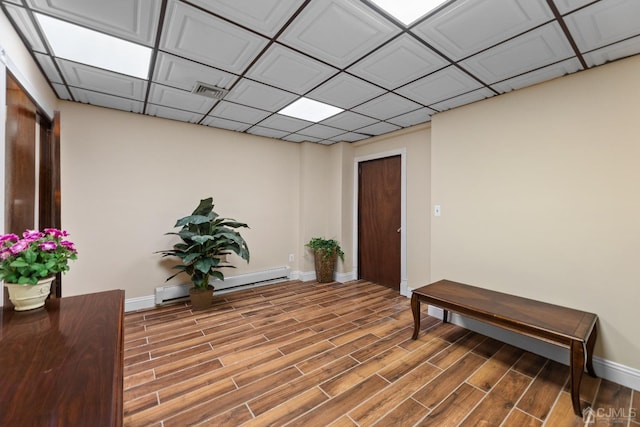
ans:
(61, 365)
(562, 326)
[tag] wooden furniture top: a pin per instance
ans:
(62, 364)
(550, 322)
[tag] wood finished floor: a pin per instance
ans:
(310, 354)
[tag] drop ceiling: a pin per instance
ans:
(346, 53)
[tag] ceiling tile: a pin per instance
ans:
(326, 142)
(360, 31)
(264, 16)
(285, 68)
(239, 113)
(134, 20)
(21, 18)
(612, 52)
(284, 123)
(378, 128)
(271, 133)
(49, 68)
(463, 99)
(321, 131)
(382, 68)
(182, 73)
(468, 26)
(386, 106)
(61, 91)
(565, 6)
(108, 101)
(189, 33)
(603, 23)
(300, 138)
(99, 80)
(258, 95)
(349, 137)
(422, 115)
(439, 86)
(547, 73)
(172, 113)
(345, 53)
(541, 47)
(348, 120)
(345, 91)
(176, 98)
(217, 122)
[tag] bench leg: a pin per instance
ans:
(415, 309)
(445, 314)
(576, 366)
(590, 344)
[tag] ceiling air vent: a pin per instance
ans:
(209, 91)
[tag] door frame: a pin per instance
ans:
(7, 64)
(402, 152)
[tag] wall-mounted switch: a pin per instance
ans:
(436, 210)
(291, 258)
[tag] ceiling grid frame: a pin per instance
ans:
(358, 50)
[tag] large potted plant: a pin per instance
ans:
(29, 265)
(326, 253)
(205, 240)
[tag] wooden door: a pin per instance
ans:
(379, 221)
(20, 160)
(32, 167)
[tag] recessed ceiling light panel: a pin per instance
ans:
(89, 47)
(408, 11)
(310, 110)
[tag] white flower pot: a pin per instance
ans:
(29, 297)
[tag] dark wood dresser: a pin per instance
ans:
(61, 365)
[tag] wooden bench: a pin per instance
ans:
(562, 326)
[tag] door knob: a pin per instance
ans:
(398, 230)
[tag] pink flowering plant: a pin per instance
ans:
(35, 256)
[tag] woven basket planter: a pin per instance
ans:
(325, 267)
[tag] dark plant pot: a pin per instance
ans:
(325, 267)
(201, 298)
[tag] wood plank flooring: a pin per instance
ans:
(310, 354)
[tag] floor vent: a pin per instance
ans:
(173, 293)
(209, 91)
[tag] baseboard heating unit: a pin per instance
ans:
(171, 293)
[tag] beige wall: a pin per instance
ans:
(315, 199)
(126, 178)
(539, 195)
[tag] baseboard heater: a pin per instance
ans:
(172, 293)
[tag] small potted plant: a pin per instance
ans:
(205, 240)
(28, 265)
(326, 253)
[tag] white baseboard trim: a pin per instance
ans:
(139, 303)
(612, 371)
(308, 276)
(345, 277)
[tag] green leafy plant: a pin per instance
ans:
(327, 246)
(205, 239)
(35, 256)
